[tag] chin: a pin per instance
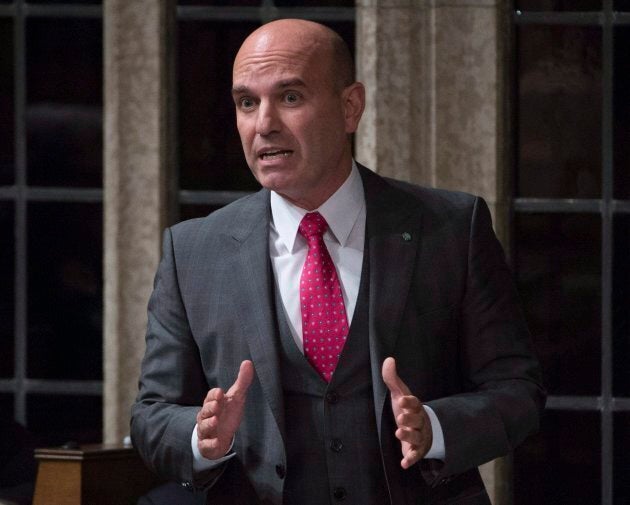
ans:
(274, 182)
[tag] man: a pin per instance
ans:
(337, 336)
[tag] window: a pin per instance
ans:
(51, 190)
(571, 243)
(50, 217)
(213, 171)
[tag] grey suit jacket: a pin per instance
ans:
(442, 303)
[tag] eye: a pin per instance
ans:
(245, 103)
(291, 98)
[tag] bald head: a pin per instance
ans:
(312, 40)
(296, 107)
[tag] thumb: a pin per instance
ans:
(394, 383)
(243, 381)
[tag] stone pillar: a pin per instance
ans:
(434, 72)
(435, 75)
(137, 129)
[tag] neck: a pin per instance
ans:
(316, 199)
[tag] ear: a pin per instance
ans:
(353, 102)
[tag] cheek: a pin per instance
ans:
(300, 124)
(245, 130)
(332, 123)
(330, 136)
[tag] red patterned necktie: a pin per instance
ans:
(324, 321)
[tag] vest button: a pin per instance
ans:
(336, 445)
(332, 397)
(280, 471)
(339, 493)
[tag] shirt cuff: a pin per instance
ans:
(437, 450)
(201, 464)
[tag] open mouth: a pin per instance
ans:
(274, 155)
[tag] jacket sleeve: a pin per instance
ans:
(501, 396)
(172, 385)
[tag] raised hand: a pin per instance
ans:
(414, 427)
(221, 414)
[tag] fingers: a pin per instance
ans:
(207, 427)
(408, 403)
(243, 381)
(415, 433)
(412, 452)
(207, 417)
(209, 447)
(413, 437)
(212, 404)
(411, 458)
(413, 424)
(237, 390)
(412, 420)
(393, 382)
(221, 414)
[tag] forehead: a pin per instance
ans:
(255, 65)
(273, 58)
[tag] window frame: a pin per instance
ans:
(21, 194)
(607, 207)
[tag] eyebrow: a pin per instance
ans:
(288, 83)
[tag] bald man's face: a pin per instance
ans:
(292, 119)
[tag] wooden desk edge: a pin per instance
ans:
(87, 452)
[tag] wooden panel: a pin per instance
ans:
(91, 475)
(58, 482)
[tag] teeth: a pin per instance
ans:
(275, 154)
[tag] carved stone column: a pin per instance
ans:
(137, 158)
(435, 73)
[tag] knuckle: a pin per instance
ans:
(203, 446)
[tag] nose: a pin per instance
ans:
(267, 120)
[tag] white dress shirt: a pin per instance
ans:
(345, 213)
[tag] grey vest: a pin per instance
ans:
(332, 444)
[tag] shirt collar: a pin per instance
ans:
(340, 211)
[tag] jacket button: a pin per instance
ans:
(280, 471)
(339, 493)
(336, 445)
(332, 397)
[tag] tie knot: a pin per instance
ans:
(313, 224)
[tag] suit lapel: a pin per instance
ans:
(256, 311)
(393, 227)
